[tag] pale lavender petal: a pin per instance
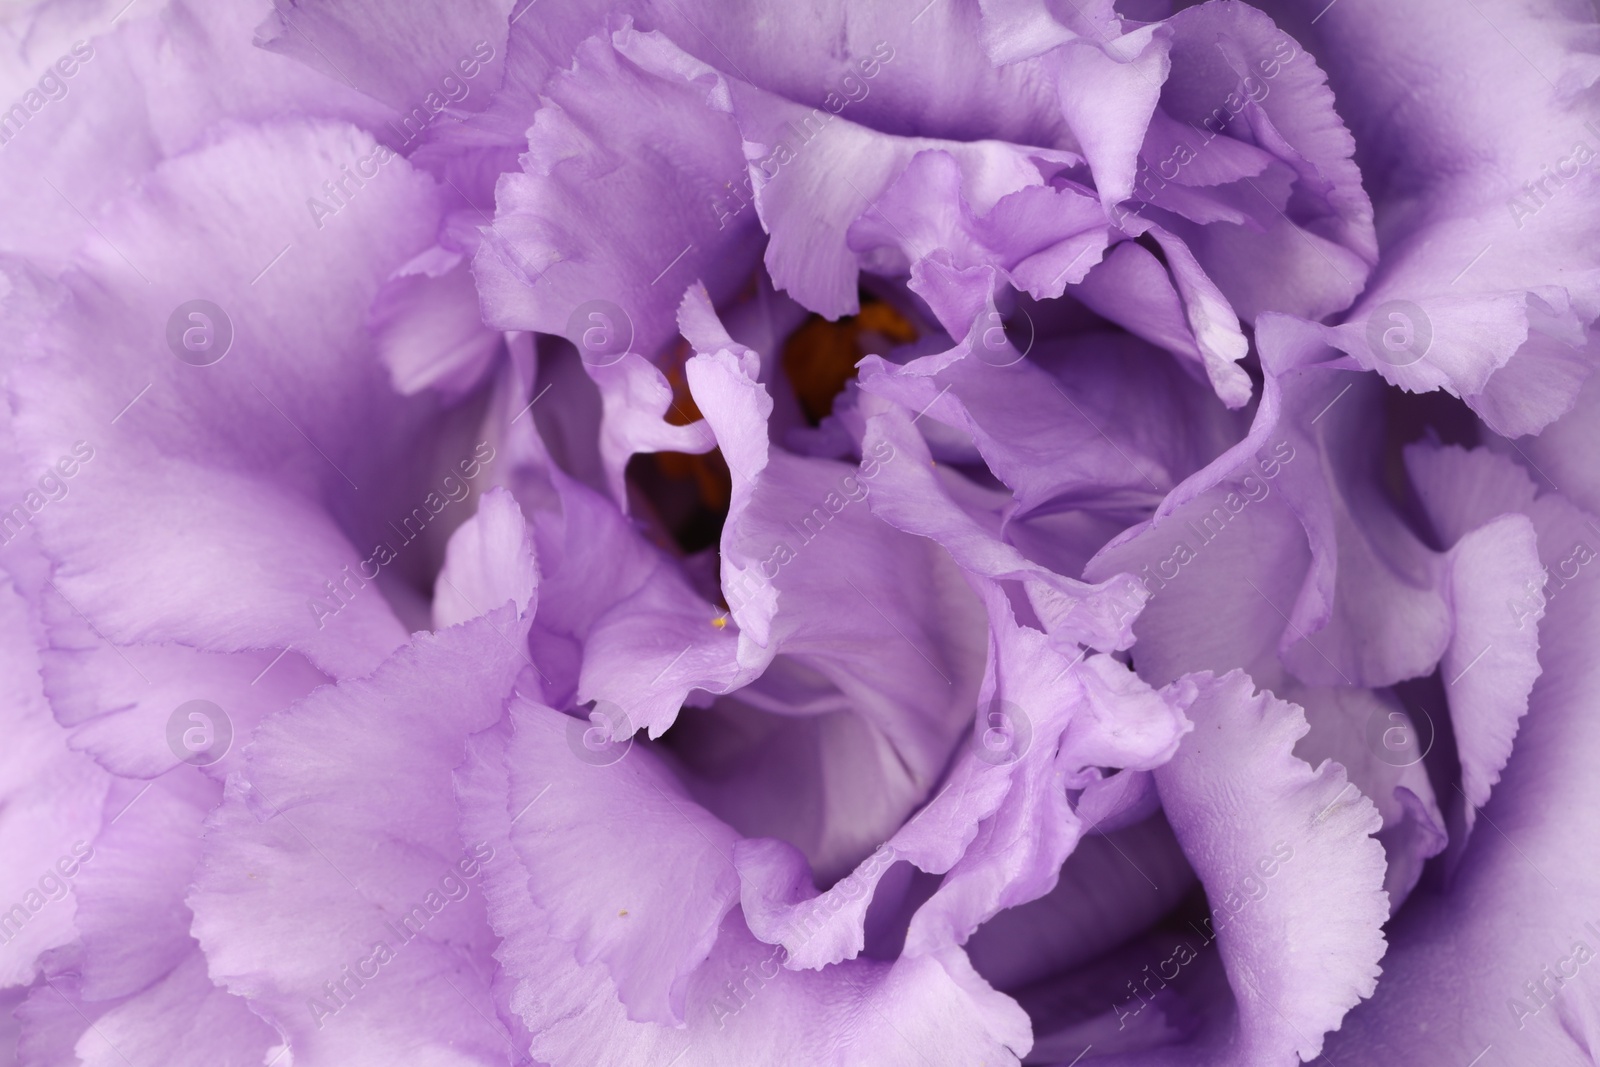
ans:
(1242, 806)
(333, 934)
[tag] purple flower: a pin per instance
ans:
(683, 534)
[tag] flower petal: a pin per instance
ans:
(1106, 717)
(611, 904)
(907, 653)
(1306, 951)
(399, 55)
(742, 1001)
(916, 495)
(1504, 936)
(183, 1020)
(1108, 92)
(428, 327)
(1482, 247)
(614, 135)
(335, 894)
(270, 430)
(488, 563)
(51, 803)
(1496, 583)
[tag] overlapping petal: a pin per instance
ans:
(1070, 642)
(335, 936)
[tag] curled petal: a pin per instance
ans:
(1286, 858)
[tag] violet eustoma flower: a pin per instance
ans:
(709, 534)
